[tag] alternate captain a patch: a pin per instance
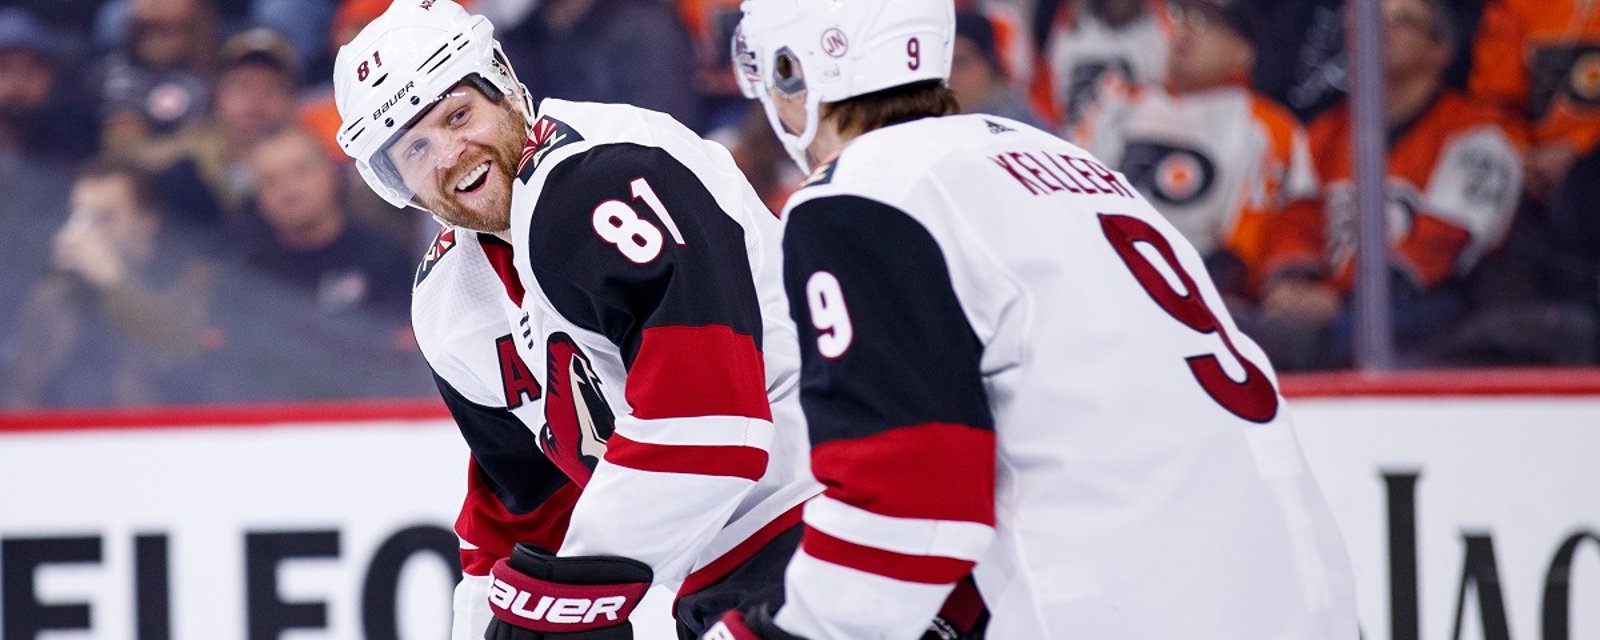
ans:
(547, 134)
(445, 241)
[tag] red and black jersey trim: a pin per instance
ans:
(547, 134)
(913, 358)
(442, 244)
(521, 476)
(501, 260)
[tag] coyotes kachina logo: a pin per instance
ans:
(546, 135)
(578, 420)
(441, 244)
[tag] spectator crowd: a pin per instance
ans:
(178, 225)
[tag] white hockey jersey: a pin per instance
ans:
(1012, 362)
(642, 286)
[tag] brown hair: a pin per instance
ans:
(146, 197)
(879, 109)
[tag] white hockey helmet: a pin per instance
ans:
(398, 67)
(834, 50)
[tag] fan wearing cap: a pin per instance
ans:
(211, 185)
(1013, 367)
(603, 316)
(1218, 158)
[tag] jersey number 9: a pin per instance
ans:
(829, 315)
(1254, 398)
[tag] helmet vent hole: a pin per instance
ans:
(380, 79)
(436, 53)
(438, 64)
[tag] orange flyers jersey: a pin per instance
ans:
(1215, 162)
(1541, 58)
(1453, 179)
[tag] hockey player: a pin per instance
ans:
(607, 293)
(1011, 361)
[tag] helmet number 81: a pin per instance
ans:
(362, 71)
(829, 315)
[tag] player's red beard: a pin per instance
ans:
(490, 210)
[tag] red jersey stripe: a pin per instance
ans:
(500, 257)
(899, 566)
(934, 471)
(727, 562)
(749, 463)
(686, 372)
(485, 523)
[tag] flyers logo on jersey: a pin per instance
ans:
(546, 135)
(1167, 174)
(442, 244)
(578, 420)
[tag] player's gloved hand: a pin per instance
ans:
(535, 595)
(755, 625)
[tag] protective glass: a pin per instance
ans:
(419, 157)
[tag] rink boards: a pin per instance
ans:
(1470, 506)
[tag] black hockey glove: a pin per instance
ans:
(537, 596)
(964, 615)
(756, 625)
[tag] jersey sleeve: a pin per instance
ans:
(629, 243)
(1468, 205)
(514, 494)
(902, 436)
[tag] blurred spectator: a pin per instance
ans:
(1540, 59)
(312, 280)
(309, 241)
(1217, 158)
(154, 86)
(977, 77)
(35, 164)
(32, 120)
(254, 97)
(1306, 71)
(631, 51)
(1099, 50)
(710, 24)
(320, 116)
(121, 320)
(1453, 180)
